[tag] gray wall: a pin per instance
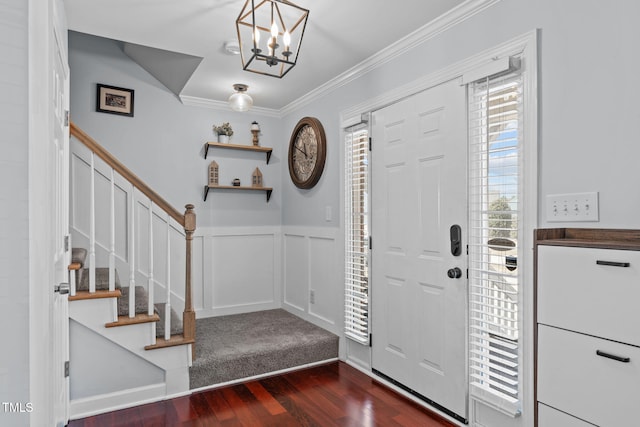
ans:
(584, 52)
(163, 142)
(588, 101)
(14, 207)
(585, 74)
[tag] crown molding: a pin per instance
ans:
(430, 30)
(194, 101)
(457, 70)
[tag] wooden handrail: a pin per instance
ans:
(126, 173)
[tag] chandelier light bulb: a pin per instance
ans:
(286, 38)
(274, 30)
(256, 36)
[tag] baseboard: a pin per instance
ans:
(89, 406)
(265, 375)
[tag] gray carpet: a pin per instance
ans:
(243, 345)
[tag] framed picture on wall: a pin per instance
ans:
(114, 100)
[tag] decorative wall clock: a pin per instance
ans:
(307, 152)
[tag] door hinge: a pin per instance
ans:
(467, 274)
(66, 117)
(467, 249)
(370, 139)
(66, 243)
(370, 340)
(370, 243)
(66, 369)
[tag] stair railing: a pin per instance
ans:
(187, 221)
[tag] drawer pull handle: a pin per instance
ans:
(613, 263)
(613, 356)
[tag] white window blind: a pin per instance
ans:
(495, 169)
(357, 235)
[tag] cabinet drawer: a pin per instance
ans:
(549, 417)
(594, 291)
(573, 378)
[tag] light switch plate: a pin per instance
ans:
(572, 207)
(327, 213)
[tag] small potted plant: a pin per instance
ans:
(224, 131)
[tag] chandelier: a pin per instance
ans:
(270, 33)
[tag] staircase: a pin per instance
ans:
(142, 314)
(120, 227)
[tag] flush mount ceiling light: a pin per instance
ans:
(280, 25)
(232, 47)
(240, 99)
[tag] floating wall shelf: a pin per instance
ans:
(268, 190)
(259, 149)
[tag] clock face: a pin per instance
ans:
(307, 153)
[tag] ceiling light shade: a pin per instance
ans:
(232, 47)
(240, 99)
(270, 34)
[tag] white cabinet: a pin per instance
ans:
(588, 327)
(547, 416)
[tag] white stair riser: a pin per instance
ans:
(95, 313)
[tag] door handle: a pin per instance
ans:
(63, 288)
(613, 263)
(613, 356)
(454, 273)
(455, 235)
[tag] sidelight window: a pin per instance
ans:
(495, 235)
(357, 234)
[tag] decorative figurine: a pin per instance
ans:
(255, 130)
(256, 178)
(235, 182)
(213, 173)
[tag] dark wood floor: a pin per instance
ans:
(329, 395)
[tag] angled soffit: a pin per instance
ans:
(172, 69)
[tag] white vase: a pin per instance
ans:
(223, 139)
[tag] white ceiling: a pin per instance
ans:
(340, 34)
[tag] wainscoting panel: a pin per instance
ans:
(323, 278)
(312, 265)
(296, 272)
(238, 270)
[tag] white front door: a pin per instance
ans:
(59, 190)
(418, 188)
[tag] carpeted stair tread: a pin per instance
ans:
(243, 345)
(176, 322)
(102, 279)
(142, 301)
(79, 255)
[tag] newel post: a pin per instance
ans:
(189, 315)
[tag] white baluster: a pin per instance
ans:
(151, 285)
(92, 228)
(132, 253)
(167, 307)
(112, 238)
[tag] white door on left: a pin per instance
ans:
(59, 189)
